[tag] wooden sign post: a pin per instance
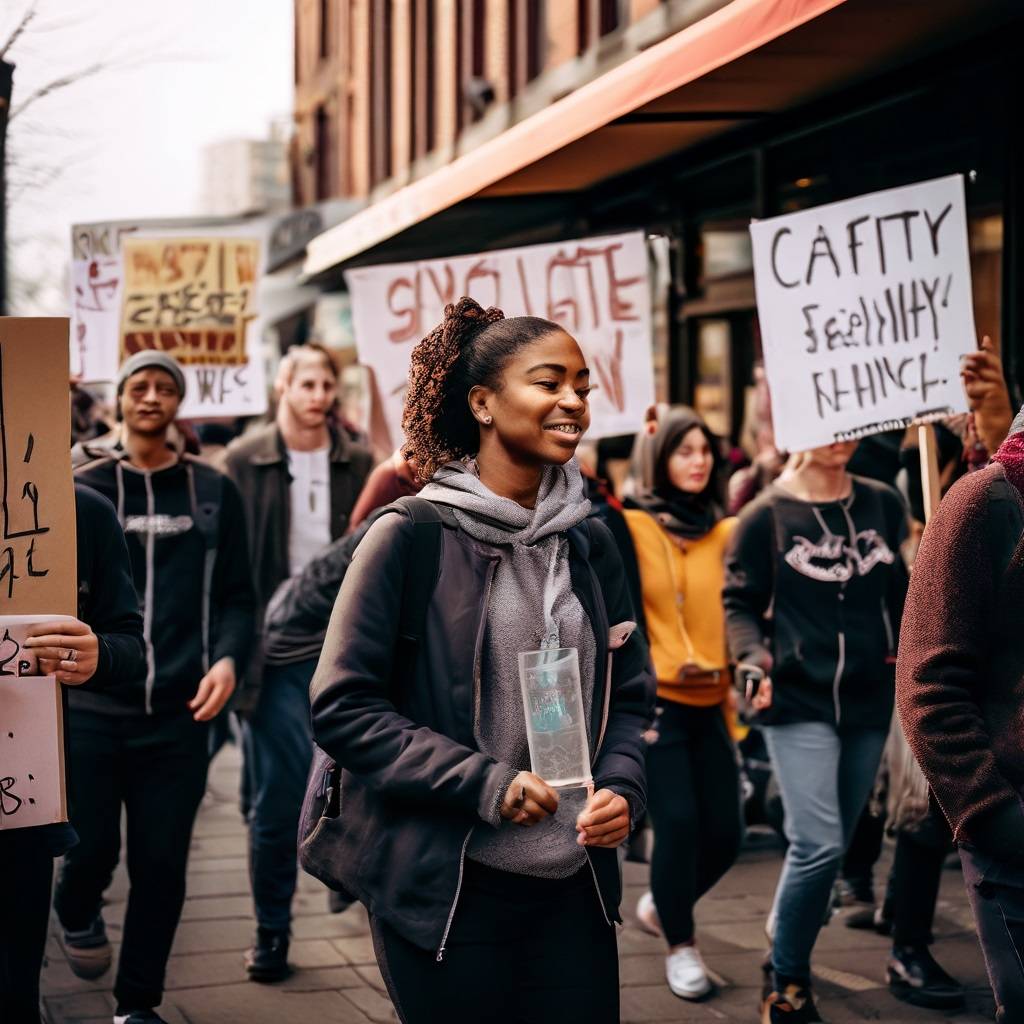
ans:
(930, 485)
(38, 562)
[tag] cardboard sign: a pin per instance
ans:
(865, 309)
(190, 291)
(596, 288)
(189, 297)
(32, 790)
(38, 561)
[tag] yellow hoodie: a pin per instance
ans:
(682, 595)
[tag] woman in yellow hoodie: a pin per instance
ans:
(679, 532)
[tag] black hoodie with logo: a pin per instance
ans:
(814, 594)
(186, 537)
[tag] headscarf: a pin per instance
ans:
(684, 514)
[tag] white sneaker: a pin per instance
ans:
(686, 973)
(647, 915)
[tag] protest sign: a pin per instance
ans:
(190, 291)
(38, 561)
(596, 288)
(865, 309)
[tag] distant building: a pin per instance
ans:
(245, 176)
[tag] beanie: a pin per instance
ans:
(150, 359)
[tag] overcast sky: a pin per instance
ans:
(126, 142)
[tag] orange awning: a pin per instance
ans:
(747, 59)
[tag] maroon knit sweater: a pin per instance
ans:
(960, 670)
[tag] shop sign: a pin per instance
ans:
(865, 311)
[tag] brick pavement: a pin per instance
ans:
(337, 981)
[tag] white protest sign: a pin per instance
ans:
(596, 288)
(865, 309)
(190, 290)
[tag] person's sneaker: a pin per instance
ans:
(915, 978)
(687, 976)
(647, 915)
(268, 958)
(123, 1016)
(856, 892)
(88, 951)
(793, 1005)
(336, 903)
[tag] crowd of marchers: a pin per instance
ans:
(271, 584)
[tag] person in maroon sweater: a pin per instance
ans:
(960, 695)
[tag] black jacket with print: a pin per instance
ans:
(814, 594)
(198, 604)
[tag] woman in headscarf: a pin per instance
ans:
(680, 534)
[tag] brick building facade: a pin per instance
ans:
(389, 90)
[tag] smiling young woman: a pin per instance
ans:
(491, 894)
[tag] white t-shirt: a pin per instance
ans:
(310, 494)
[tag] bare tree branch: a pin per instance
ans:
(54, 86)
(26, 19)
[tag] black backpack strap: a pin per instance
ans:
(424, 565)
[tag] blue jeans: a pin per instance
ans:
(277, 741)
(825, 778)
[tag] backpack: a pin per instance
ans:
(320, 817)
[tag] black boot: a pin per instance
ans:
(916, 978)
(268, 958)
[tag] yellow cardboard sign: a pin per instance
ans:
(189, 297)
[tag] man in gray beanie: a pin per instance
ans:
(143, 743)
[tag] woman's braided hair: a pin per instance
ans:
(469, 347)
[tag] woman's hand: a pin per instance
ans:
(528, 799)
(604, 821)
(69, 650)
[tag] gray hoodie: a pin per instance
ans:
(531, 602)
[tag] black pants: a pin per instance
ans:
(996, 891)
(156, 768)
(521, 951)
(864, 850)
(693, 798)
(914, 887)
(26, 875)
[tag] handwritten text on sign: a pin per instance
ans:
(189, 297)
(184, 303)
(865, 309)
(597, 289)
(38, 572)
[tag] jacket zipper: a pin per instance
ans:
(455, 901)
(840, 666)
(479, 645)
(597, 886)
(887, 622)
(476, 715)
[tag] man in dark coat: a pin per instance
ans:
(960, 693)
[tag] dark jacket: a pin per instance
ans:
(258, 464)
(413, 779)
(832, 576)
(186, 539)
(960, 673)
(107, 604)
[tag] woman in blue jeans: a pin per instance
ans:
(814, 591)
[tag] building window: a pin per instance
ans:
(608, 16)
(380, 91)
(422, 79)
(325, 28)
(524, 43)
(323, 148)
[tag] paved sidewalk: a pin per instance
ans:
(337, 981)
